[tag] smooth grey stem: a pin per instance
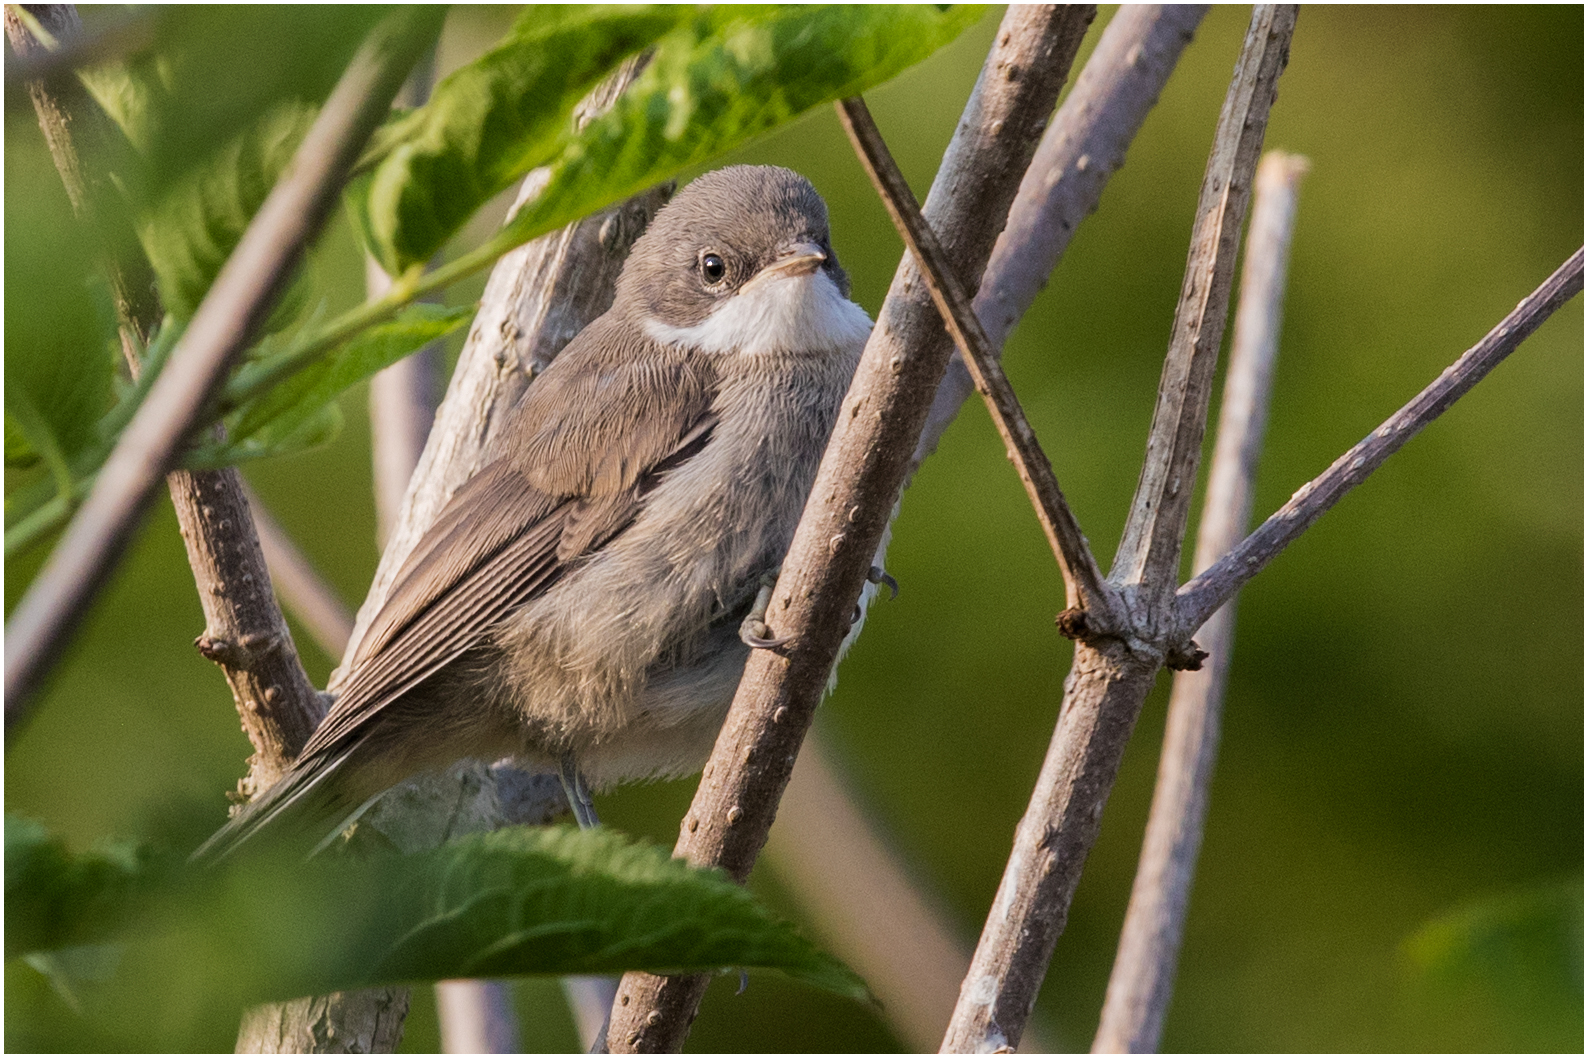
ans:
(1111, 677)
(590, 1002)
(226, 320)
(301, 588)
(1211, 589)
(402, 408)
(857, 486)
(1083, 580)
(1149, 552)
(476, 1017)
(129, 34)
(402, 398)
(1142, 981)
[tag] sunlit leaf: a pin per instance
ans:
(517, 901)
(490, 122)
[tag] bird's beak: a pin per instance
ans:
(801, 259)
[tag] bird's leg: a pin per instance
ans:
(578, 793)
(753, 630)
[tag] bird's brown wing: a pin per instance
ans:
(570, 472)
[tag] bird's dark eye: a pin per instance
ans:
(712, 268)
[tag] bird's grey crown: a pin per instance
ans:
(748, 215)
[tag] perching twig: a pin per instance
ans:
(239, 299)
(1149, 552)
(856, 487)
(1149, 945)
(1212, 588)
(1084, 586)
(1110, 677)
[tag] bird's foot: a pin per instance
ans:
(753, 630)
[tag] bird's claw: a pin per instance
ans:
(878, 575)
(753, 630)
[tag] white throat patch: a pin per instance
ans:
(785, 314)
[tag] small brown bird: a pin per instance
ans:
(577, 604)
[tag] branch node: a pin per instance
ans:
(1072, 623)
(1186, 658)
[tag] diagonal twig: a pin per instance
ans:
(1083, 581)
(1149, 551)
(856, 487)
(1111, 676)
(1143, 976)
(239, 299)
(1197, 600)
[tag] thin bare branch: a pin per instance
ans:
(1149, 946)
(476, 1017)
(238, 300)
(1110, 677)
(1083, 580)
(1149, 552)
(863, 902)
(1096, 122)
(856, 487)
(402, 409)
(1211, 589)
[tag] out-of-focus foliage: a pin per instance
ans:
(1404, 726)
(1517, 959)
(138, 941)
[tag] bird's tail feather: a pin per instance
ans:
(304, 796)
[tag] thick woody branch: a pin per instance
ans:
(1213, 587)
(856, 487)
(1143, 977)
(237, 302)
(1149, 552)
(1083, 580)
(1111, 677)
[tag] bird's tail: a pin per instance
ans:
(302, 807)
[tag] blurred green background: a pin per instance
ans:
(1403, 740)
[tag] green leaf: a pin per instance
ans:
(725, 76)
(185, 97)
(284, 408)
(19, 454)
(1516, 960)
(490, 122)
(523, 901)
(725, 80)
(194, 228)
(204, 943)
(55, 899)
(58, 359)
